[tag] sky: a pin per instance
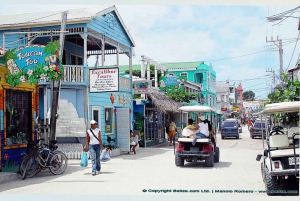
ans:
(229, 36)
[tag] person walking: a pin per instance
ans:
(94, 141)
(172, 131)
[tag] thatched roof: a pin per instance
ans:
(163, 102)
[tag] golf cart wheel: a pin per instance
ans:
(217, 155)
(209, 161)
(223, 137)
(270, 183)
(252, 137)
(179, 161)
(237, 137)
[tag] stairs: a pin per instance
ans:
(68, 122)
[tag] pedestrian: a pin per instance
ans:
(172, 131)
(94, 141)
(133, 144)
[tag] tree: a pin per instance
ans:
(289, 91)
(181, 96)
(249, 95)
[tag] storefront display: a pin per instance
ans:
(109, 112)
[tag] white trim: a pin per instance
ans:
(97, 108)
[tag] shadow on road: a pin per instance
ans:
(42, 177)
(202, 165)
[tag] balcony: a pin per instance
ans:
(75, 75)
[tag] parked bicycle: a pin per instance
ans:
(40, 157)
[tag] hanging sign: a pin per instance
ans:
(104, 80)
(32, 63)
(142, 87)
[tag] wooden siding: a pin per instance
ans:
(110, 27)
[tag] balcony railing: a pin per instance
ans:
(72, 73)
(75, 74)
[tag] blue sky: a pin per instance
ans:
(203, 32)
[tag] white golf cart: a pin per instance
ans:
(280, 165)
(205, 148)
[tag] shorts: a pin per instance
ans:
(172, 133)
(132, 143)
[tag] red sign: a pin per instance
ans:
(223, 109)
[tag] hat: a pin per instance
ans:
(93, 122)
(201, 116)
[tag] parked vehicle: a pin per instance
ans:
(280, 165)
(230, 128)
(258, 129)
(205, 148)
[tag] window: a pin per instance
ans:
(184, 74)
(96, 115)
(18, 116)
(76, 60)
(229, 124)
(108, 119)
(259, 125)
(171, 74)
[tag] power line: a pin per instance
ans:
(293, 51)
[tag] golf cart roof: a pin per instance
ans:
(196, 108)
(283, 107)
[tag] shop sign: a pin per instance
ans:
(142, 87)
(223, 109)
(32, 63)
(104, 80)
(172, 83)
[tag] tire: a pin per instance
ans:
(209, 161)
(270, 183)
(262, 171)
(238, 137)
(217, 155)
(223, 137)
(179, 160)
(34, 168)
(252, 136)
(57, 165)
(27, 167)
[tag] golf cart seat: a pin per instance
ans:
(281, 141)
(203, 140)
(187, 132)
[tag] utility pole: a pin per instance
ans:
(273, 79)
(55, 84)
(279, 45)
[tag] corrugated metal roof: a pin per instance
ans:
(179, 65)
(49, 16)
(182, 65)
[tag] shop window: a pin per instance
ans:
(96, 115)
(108, 118)
(18, 117)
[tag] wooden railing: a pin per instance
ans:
(72, 73)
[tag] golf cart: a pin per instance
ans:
(204, 148)
(280, 165)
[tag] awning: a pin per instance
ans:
(163, 102)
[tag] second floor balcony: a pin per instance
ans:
(79, 75)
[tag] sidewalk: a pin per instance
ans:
(6, 177)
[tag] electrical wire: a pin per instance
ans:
(293, 51)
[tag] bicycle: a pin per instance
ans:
(42, 157)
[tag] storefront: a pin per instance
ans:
(19, 97)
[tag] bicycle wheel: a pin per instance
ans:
(33, 168)
(27, 167)
(58, 163)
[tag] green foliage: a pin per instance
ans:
(181, 96)
(289, 92)
(52, 47)
(136, 96)
(249, 95)
(10, 54)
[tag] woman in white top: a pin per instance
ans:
(93, 139)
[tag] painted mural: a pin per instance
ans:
(120, 99)
(32, 63)
(171, 83)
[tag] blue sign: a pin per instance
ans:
(29, 57)
(171, 81)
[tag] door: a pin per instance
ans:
(123, 128)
